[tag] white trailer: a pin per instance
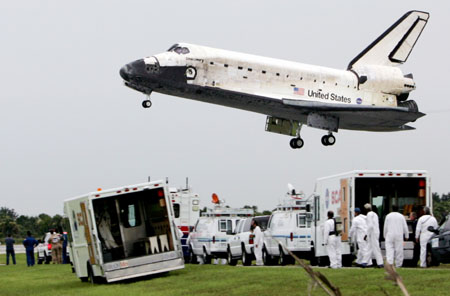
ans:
(123, 233)
(410, 190)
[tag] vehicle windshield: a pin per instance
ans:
(179, 49)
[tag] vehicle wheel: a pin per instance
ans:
(312, 258)
(347, 260)
(292, 143)
(331, 140)
(192, 257)
(231, 261)
(323, 261)
(146, 104)
(299, 143)
(246, 259)
(431, 260)
(324, 140)
(48, 259)
(40, 260)
(84, 279)
(206, 257)
(266, 257)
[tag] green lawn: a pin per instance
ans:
(218, 280)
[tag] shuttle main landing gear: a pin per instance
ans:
(297, 143)
(147, 103)
(328, 140)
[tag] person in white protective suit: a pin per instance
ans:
(358, 233)
(395, 229)
(332, 240)
(373, 236)
(257, 242)
(423, 235)
(105, 231)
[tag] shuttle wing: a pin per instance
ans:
(394, 46)
(354, 116)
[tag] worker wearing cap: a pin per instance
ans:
(358, 233)
(423, 235)
(332, 240)
(373, 236)
(395, 229)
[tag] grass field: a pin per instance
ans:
(219, 280)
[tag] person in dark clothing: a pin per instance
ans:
(416, 251)
(30, 243)
(10, 249)
(64, 249)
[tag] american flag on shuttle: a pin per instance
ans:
(299, 91)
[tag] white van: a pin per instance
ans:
(240, 246)
(289, 228)
(123, 233)
(212, 231)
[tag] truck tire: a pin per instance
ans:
(192, 257)
(246, 258)
(48, 259)
(206, 257)
(312, 258)
(231, 261)
(431, 259)
(324, 261)
(347, 260)
(285, 259)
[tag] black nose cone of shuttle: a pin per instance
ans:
(124, 73)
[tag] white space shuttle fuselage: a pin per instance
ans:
(370, 95)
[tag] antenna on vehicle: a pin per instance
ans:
(148, 178)
(187, 182)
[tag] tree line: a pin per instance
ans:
(18, 225)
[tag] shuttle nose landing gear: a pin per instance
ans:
(147, 103)
(328, 140)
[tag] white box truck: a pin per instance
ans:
(342, 193)
(123, 233)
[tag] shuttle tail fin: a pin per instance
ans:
(396, 43)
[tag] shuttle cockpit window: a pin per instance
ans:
(179, 50)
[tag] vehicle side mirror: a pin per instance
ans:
(308, 208)
(230, 232)
(431, 228)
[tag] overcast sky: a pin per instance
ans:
(68, 125)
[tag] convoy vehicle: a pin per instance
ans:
(44, 250)
(210, 236)
(240, 245)
(186, 213)
(342, 193)
(438, 248)
(123, 233)
(289, 228)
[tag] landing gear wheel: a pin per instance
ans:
(296, 143)
(331, 140)
(328, 140)
(146, 104)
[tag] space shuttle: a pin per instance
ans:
(372, 94)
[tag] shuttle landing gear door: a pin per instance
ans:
(345, 197)
(87, 233)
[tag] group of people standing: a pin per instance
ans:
(30, 243)
(365, 231)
